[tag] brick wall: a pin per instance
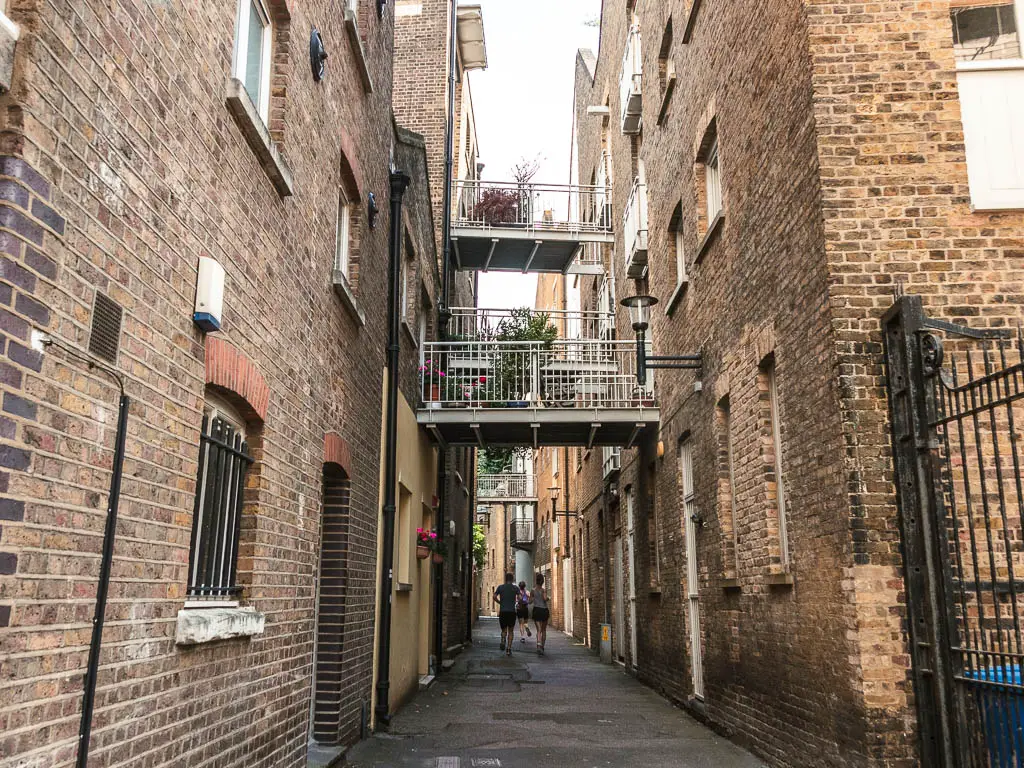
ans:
(818, 118)
(123, 167)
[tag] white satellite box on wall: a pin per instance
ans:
(209, 295)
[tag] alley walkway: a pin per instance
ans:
(562, 710)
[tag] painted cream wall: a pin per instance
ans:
(412, 603)
(411, 618)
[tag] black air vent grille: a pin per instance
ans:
(105, 334)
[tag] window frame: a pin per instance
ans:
(781, 501)
(1012, 62)
(216, 408)
(713, 181)
(343, 235)
(241, 51)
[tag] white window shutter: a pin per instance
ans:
(992, 107)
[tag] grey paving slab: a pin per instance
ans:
(562, 710)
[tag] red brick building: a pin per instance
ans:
(772, 184)
(141, 141)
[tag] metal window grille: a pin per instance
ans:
(223, 462)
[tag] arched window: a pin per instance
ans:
(224, 461)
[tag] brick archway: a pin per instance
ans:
(230, 371)
(337, 452)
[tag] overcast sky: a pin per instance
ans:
(523, 103)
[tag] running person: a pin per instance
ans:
(506, 597)
(523, 612)
(539, 598)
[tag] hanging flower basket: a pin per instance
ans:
(429, 543)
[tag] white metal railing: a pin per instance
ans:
(476, 324)
(631, 83)
(612, 459)
(591, 255)
(634, 226)
(508, 485)
(582, 373)
(530, 207)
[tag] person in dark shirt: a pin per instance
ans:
(506, 596)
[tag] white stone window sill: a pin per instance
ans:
(258, 137)
(351, 23)
(989, 65)
(410, 333)
(348, 298)
(677, 294)
(202, 622)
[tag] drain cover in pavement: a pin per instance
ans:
(446, 762)
(486, 762)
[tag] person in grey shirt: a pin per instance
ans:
(506, 596)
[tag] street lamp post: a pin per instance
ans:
(640, 318)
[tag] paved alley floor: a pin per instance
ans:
(562, 710)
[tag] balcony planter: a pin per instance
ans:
(422, 552)
(435, 396)
(517, 404)
(437, 558)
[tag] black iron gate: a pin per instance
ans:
(956, 398)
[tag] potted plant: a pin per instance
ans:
(514, 361)
(498, 206)
(429, 544)
(433, 378)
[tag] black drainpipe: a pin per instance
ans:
(399, 183)
(442, 486)
(107, 556)
(449, 159)
(470, 561)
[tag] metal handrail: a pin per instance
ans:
(529, 206)
(507, 485)
(577, 373)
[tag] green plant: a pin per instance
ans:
(479, 547)
(495, 461)
(513, 363)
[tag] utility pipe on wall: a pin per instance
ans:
(449, 160)
(399, 183)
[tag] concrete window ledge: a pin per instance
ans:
(204, 625)
(780, 580)
(258, 138)
(9, 34)
(348, 298)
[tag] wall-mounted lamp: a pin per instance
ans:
(317, 55)
(640, 318)
(554, 491)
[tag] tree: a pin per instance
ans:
(479, 547)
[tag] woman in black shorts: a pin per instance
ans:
(539, 598)
(523, 612)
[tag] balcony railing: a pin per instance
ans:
(530, 207)
(634, 224)
(631, 83)
(522, 533)
(612, 460)
(561, 374)
(475, 324)
(508, 485)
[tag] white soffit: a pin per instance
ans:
(472, 46)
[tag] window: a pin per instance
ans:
(554, 461)
(253, 53)
(217, 518)
(726, 486)
(985, 30)
(713, 181)
(344, 235)
(769, 387)
(986, 37)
